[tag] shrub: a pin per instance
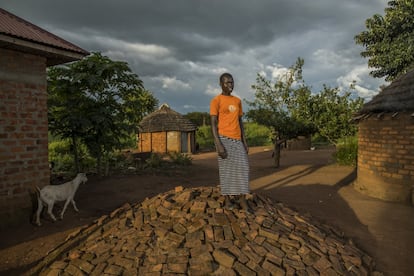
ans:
(257, 135)
(180, 158)
(347, 151)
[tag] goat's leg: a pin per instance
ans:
(64, 207)
(39, 211)
(74, 206)
(49, 210)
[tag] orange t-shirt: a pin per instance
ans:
(228, 109)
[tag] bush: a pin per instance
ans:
(180, 158)
(347, 151)
(204, 138)
(257, 135)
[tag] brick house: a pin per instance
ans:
(386, 143)
(166, 130)
(25, 52)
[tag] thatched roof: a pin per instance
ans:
(397, 97)
(166, 119)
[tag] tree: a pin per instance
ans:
(389, 40)
(97, 101)
(290, 109)
(198, 118)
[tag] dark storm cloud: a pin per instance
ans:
(180, 47)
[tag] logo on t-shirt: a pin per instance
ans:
(232, 108)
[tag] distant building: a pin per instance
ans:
(25, 52)
(166, 130)
(386, 143)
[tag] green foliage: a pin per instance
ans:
(155, 161)
(289, 108)
(277, 104)
(198, 118)
(60, 154)
(204, 138)
(96, 101)
(180, 158)
(257, 135)
(389, 40)
(347, 151)
(331, 111)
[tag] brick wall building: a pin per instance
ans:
(166, 130)
(25, 52)
(386, 143)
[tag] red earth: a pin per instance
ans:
(306, 181)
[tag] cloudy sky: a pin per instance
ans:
(180, 47)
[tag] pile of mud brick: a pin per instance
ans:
(188, 232)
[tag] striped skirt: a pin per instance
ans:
(234, 170)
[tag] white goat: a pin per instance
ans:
(49, 194)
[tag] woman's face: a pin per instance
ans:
(227, 85)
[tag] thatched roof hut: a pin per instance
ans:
(166, 130)
(386, 142)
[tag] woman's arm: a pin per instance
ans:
(219, 146)
(243, 136)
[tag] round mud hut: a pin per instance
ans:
(166, 130)
(386, 143)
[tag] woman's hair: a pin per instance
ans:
(225, 75)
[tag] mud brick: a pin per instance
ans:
(241, 257)
(231, 218)
(223, 258)
(228, 233)
(59, 265)
(209, 233)
(51, 272)
(183, 196)
(175, 268)
(196, 225)
(273, 249)
(98, 270)
(221, 270)
(248, 251)
(297, 265)
(155, 259)
(174, 237)
(220, 219)
(177, 259)
(102, 258)
(204, 248)
(218, 233)
(258, 249)
(114, 269)
(130, 272)
(197, 267)
(256, 268)
(297, 237)
(267, 223)
(259, 240)
(198, 207)
(243, 270)
(290, 271)
(336, 264)
(274, 269)
(83, 265)
(125, 263)
(322, 264)
(310, 258)
(73, 270)
(312, 272)
(237, 231)
(267, 233)
(274, 259)
(317, 235)
(213, 203)
(163, 211)
(252, 235)
(291, 243)
(179, 228)
(355, 260)
(178, 189)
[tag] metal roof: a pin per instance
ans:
(19, 34)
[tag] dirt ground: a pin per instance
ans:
(306, 181)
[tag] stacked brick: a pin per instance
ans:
(187, 232)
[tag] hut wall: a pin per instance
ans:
(23, 133)
(173, 141)
(386, 157)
